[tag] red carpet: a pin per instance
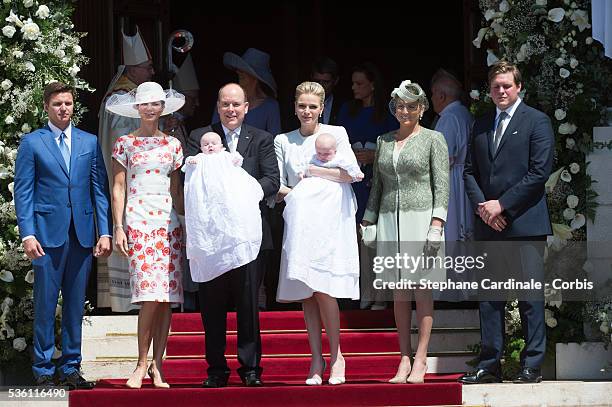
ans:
(371, 359)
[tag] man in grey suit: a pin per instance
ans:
(259, 160)
(509, 159)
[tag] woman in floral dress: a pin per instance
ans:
(145, 165)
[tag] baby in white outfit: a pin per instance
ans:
(222, 214)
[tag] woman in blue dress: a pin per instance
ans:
(366, 117)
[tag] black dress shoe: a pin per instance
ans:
(528, 375)
(252, 380)
(479, 376)
(45, 381)
(214, 382)
(74, 381)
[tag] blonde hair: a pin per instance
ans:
(310, 88)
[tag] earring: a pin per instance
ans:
(321, 114)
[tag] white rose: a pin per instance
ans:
(11, 187)
(42, 12)
(29, 277)
(570, 143)
(8, 31)
(565, 176)
(564, 73)
(497, 28)
(551, 322)
(17, 54)
(580, 18)
(9, 119)
(477, 41)
(569, 214)
(6, 84)
(77, 49)
(560, 61)
(560, 114)
(574, 168)
(556, 14)
(59, 53)
(6, 304)
(504, 6)
(572, 202)
(74, 70)
(28, 3)
(588, 40)
(30, 66)
(30, 31)
(541, 3)
(548, 313)
(604, 327)
(489, 14)
(26, 128)
(6, 275)
(19, 344)
(475, 94)
(567, 128)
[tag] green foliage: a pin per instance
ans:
(37, 46)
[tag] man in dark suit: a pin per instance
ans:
(325, 72)
(257, 149)
(509, 159)
(61, 198)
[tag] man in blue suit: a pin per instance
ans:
(62, 204)
(509, 159)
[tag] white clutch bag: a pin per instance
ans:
(368, 235)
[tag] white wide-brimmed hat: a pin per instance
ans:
(146, 92)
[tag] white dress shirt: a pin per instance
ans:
(510, 112)
(232, 141)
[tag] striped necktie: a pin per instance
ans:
(499, 131)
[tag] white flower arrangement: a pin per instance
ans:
(566, 75)
(38, 45)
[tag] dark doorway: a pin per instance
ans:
(407, 40)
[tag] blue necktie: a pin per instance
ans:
(64, 150)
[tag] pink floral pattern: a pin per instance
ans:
(153, 230)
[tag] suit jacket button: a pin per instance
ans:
(68, 204)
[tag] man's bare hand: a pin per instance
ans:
(32, 248)
(103, 247)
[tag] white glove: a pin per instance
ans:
(433, 241)
(434, 234)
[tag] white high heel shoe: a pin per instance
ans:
(317, 380)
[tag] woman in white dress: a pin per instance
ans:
(408, 203)
(308, 273)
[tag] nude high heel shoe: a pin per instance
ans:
(157, 379)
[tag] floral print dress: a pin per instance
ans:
(153, 229)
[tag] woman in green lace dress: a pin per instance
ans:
(408, 204)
